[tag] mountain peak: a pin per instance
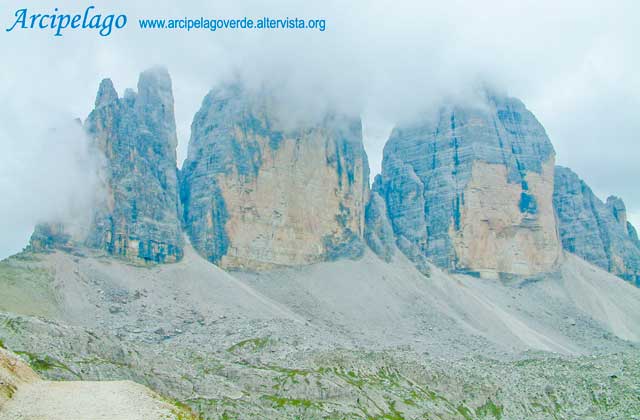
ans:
(154, 78)
(106, 93)
(258, 194)
(139, 220)
(595, 231)
(471, 189)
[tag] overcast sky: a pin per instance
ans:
(575, 64)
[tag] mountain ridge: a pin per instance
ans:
(249, 199)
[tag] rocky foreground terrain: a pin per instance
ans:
(348, 339)
(23, 395)
(266, 279)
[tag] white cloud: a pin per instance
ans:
(574, 63)
(634, 218)
(49, 175)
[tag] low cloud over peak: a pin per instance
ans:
(574, 64)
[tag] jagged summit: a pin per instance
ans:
(472, 190)
(138, 216)
(155, 77)
(106, 93)
(593, 230)
(137, 134)
(618, 209)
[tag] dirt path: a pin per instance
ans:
(116, 400)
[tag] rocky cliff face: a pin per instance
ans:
(472, 189)
(258, 196)
(595, 231)
(378, 230)
(137, 134)
(49, 236)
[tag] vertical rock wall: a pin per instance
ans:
(593, 230)
(257, 196)
(137, 133)
(471, 190)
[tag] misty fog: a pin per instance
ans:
(575, 64)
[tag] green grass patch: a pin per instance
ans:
(26, 289)
(489, 409)
(252, 344)
(26, 256)
(292, 402)
(465, 412)
(43, 364)
(183, 412)
(12, 325)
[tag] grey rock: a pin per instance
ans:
(471, 175)
(139, 217)
(106, 93)
(49, 236)
(137, 133)
(633, 234)
(257, 194)
(378, 230)
(618, 209)
(593, 230)
(115, 309)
